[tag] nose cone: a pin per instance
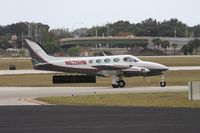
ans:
(154, 66)
(163, 67)
(159, 67)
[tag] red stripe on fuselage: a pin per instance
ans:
(76, 62)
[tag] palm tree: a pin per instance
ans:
(184, 49)
(196, 44)
(190, 47)
(193, 44)
(165, 45)
(174, 46)
(156, 42)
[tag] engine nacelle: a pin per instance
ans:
(136, 69)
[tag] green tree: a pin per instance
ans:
(157, 42)
(148, 27)
(61, 33)
(184, 49)
(193, 44)
(50, 42)
(74, 51)
(190, 47)
(97, 30)
(172, 28)
(196, 45)
(174, 47)
(165, 44)
(195, 30)
(4, 41)
(120, 26)
(51, 47)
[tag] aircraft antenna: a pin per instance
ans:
(103, 53)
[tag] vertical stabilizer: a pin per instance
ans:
(38, 54)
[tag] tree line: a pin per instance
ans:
(50, 38)
(148, 27)
(190, 48)
(40, 32)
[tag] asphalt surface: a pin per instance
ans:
(24, 95)
(79, 119)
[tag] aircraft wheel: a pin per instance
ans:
(115, 85)
(121, 83)
(163, 83)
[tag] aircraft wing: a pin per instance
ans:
(112, 67)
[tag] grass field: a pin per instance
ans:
(171, 77)
(145, 100)
(19, 63)
(168, 61)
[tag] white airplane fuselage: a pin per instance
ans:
(102, 65)
(117, 66)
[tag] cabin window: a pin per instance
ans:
(128, 59)
(107, 60)
(98, 61)
(90, 61)
(116, 59)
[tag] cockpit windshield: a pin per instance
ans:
(131, 59)
(135, 59)
(128, 59)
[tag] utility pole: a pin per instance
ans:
(30, 29)
(186, 31)
(175, 33)
(36, 32)
(22, 40)
(108, 30)
(96, 32)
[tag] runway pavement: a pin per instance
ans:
(186, 68)
(22, 95)
(83, 119)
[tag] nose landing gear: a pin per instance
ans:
(162, 82)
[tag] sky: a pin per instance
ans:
(74, 14)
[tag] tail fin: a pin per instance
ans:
(38, 54)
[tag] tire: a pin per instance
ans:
(121, 83)
(163, 83)
(115, 85)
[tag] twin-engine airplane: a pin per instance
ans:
(117, 66)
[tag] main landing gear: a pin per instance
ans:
(117, 81)
(162, 82)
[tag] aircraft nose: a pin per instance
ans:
(159, 67)
(152, 66)
(164, 68)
